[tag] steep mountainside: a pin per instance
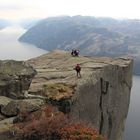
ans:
(92, 36)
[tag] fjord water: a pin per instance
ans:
(132, 128)
(10, 48)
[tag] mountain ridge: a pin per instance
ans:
(92, 36)
(85, 33)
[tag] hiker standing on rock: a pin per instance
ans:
(78, 69)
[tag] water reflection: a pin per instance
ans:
(10, 48)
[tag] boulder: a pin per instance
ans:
(4, 100)
(6, 124)
(15, 78)
(10, 110)
(14, 107)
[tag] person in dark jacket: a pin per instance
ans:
(72, 52)
(76, 52)
(78, 70)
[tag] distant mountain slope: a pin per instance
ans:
(93, 36)
(28, 23)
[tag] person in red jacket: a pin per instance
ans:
(78, 69)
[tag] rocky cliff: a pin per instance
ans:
(15, 78)
(100, 97)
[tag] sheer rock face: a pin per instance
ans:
(15, 78)
(101, 97)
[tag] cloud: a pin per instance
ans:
(44, 8)
(10, 7)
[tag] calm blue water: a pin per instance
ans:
(132, 129)
(10, 48)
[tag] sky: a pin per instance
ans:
(22, 9)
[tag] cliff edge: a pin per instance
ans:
(100, 97)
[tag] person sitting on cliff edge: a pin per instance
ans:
(78, 70)
(72, 52)
(75, 52)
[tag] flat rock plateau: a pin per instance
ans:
(100, 97)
